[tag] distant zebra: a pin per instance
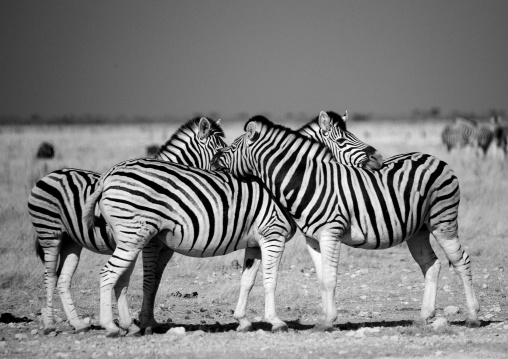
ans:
(412, 195)
(56, 205)
(465, 132)
(330, 127)
(459, 134)
(195, 213)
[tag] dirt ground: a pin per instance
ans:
(377, 300)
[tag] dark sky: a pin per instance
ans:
(181, 57)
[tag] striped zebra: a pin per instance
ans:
(56, 205)
(411, 196)
(195, 213)
(465, 132)
(329, 128)
(459, 134)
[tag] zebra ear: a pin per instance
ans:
(324, 121)
(204, 127)
(345, 116)
(252, 131)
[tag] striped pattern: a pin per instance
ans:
(501, 137)
(330, 128)
(334, 203)
(56, 205)
(193, 212)
(465, 132)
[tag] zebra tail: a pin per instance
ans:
(89, 210)
(38, 249)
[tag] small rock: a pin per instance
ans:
(260, 332)
(198, 333)
(486, 276)
(485, 285)
(363, 314)
(440, 324)
(363, 297)
(292, 266)
(505, 326)
(62, 355)
(496, 309)
(34, 332)
(451, 310)
(488, 316)
(446, 288)
(86, 320)
(439, 353)
(20, 336)
(362, 271)
(176, 331)
(307, 274)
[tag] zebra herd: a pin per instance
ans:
(200, 197)
(469, 133)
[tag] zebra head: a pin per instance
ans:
(194, 143)
(330, 129)
(237, 158)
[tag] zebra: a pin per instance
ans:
(411, 196)
(56, 204)
(459, 134)
(330, 127)
(195, 213)
(466, 132)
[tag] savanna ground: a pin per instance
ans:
(378, 292)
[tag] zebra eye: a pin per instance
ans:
(341, 141)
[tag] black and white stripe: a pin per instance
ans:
(334, 203)
(193, 212)
(56, 205)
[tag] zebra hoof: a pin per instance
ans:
(148, 331)
(245, 329)
(136, 332)
(473, 323)
(320, 328)
(279, 328)
(113, 334)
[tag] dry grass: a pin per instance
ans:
(484, 185)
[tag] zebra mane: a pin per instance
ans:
(275, 126)
(192, 125)
(336, 119)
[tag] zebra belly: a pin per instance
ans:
(356, 237)
(200, 247)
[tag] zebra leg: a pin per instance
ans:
(69, 260)
(329, 245)
(272, 247)
(422, 252)
(51, 249)
(447, 237)
(315, 254)
(124, 314)
(251, 262)
(155, 258)
(123, 257)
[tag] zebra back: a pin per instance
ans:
(330, 128)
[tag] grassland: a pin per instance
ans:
(482, 221)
